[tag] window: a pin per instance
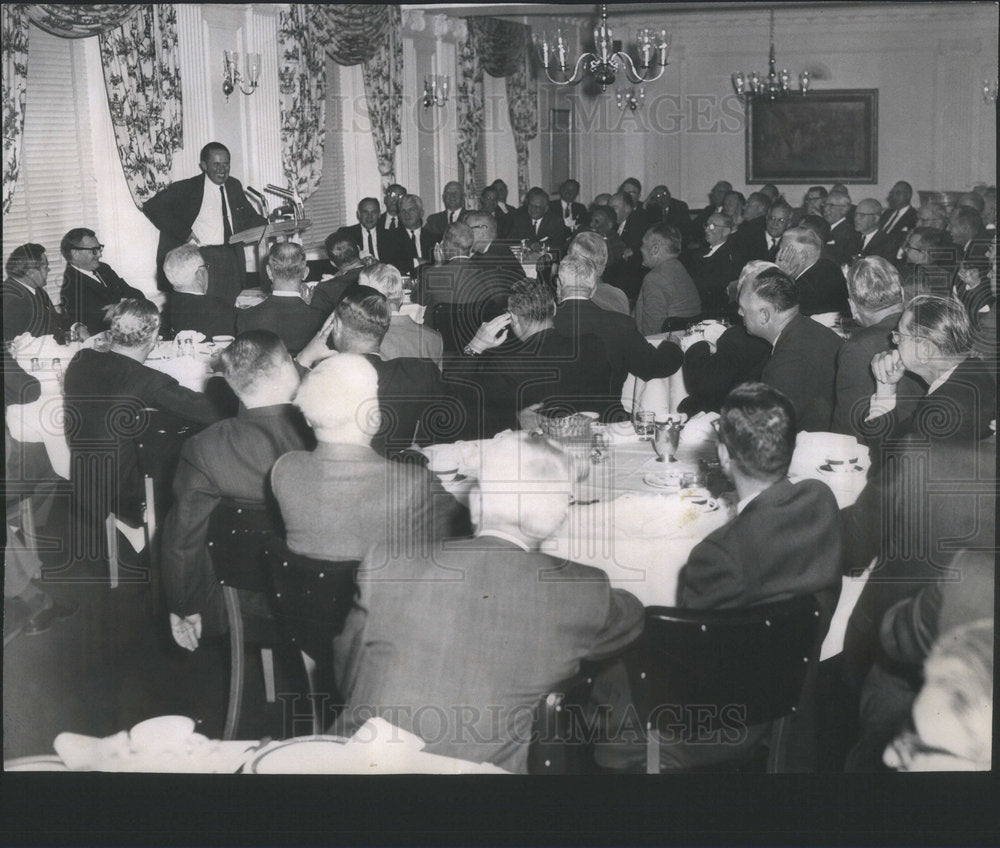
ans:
(325, 206)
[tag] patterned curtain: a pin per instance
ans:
(352, 32)
(78, 20)
(143, 82)
(522, 107)
(15, 89)
(302, 95)
(502, 49)
(469, 101)
(383, 74)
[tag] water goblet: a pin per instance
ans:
(666, 440)
(644, 423)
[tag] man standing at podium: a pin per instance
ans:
(206, 210)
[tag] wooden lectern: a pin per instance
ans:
(267, 235)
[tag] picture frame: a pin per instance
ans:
(823, 137)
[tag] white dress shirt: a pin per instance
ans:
(207, 227)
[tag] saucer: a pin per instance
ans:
(826, 468)
(667, 480)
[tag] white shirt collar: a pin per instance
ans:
(90, 274)
(286, 294)
(940, 381)
(499, 534)
(805, 269)
(743, 504)
(712, 250)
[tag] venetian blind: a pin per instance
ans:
(325, 206)
(56, 189)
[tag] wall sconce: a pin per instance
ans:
(990, 92)
(232, 79)
(628, 99)
(435, 90)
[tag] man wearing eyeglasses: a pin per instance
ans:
(89, 284)
(874, 241)
(715, 268)
(842, 242)
(389, 220)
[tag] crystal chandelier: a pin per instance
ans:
(628, 98)
(776, 85)
(609, 58)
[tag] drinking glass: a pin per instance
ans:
(644, 423)
(667, 438)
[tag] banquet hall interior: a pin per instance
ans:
(319, 116)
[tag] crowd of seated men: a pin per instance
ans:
(329, 382)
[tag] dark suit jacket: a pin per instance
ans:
(545, 367)
(750, 241)
(31, 312)
(417, 405)
(713, 274)
(677, 213)
(291, 318)
(227, 463)
(708, 377)
(636, 225)
(578, 209)
(844, 242)
(803, 365)
(881, 244)
(383, 222)
(517, 624)
(176, 208)
(327, 293)
(203, 313)
(84, 299)
(401, 250)
(627, 349)
(438, 222)
(822, 288)
(552, 229)
(855, 383)
(385, 241)
(105, 395)
(784, 544)
(906, 223)
(498, 256)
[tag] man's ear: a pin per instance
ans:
(765, 315)
(270, 276)
(201, 165)
(724, 459)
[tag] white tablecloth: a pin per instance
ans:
(660, 396)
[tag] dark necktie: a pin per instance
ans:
(392, 223)
(371, 247)
(416, 247)
(99, 279)
(227, 228)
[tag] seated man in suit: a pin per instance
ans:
(574, 214)
(802, 364)
(668, 293)
(843, 239)
(405, 337)
(899, 218)
(487, 251)
(595, 248)
(933, 215)
(713, 270)
(632, 222)
(928, 263)
(604, 222)
(821, 285)
(190, 307)
(874, 242)
(732, 205)
(207, 210)
(413, 246)
(812, 204)
(627, 350)
(723, 357)
(284, 311)
(536, 224)
(27, 307)
(89, 284)
(371, 241)
(228, 463)
(543, 366)
(750, 235)
(417, 406)
(972, 241)
(672, 210)
(489, 202)
(389, 220)
(876, 303)
(453, 197)
(347, 268)
(518, 621)
(501, 189)
(341, 498)
(107, 395)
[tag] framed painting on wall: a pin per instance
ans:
(823, 137)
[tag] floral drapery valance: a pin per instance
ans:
(501, 49)
(302, 96)
(383, 75)
(15, 90)
(79, 20)
(143, 82)
(353, 32)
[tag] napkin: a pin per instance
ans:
(698, 439)
(194, 335)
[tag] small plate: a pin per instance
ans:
(668, 480)
(45, 762)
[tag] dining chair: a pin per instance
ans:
(727, 684)
(312, 598)
(236, 538)
(559, 741)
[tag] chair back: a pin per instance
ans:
(311, 596)
(236, 537)
(559, 738)
(456, 322)
(755, 658)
